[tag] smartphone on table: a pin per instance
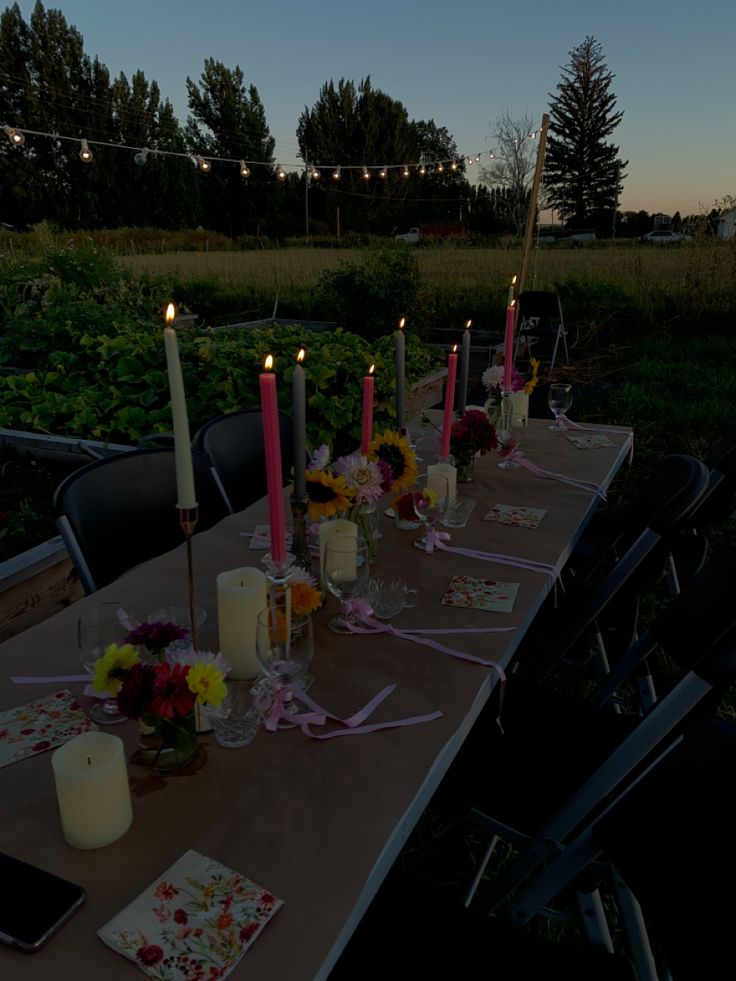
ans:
(34, 904)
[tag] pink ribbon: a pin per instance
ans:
(360, 610)
(497, 557)
(585, 485)
(629, 433)
(353, 725)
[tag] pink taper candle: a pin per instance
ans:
(508, 345)
(367, 434)
(449, 403)
(274, 473)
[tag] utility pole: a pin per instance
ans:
(615, 204)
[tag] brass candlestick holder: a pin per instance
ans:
(188, 518)
(299, 540)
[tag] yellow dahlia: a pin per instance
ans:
(207, 683)
(109, 669)
(304, 598)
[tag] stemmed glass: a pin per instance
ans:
(430, 498)
(97, 628)
(559, 399)
(346, 576)
(284, 648)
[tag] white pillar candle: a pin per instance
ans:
(182, 443)
(449, 473)
(241, 595)
(92, 789)
(328, 531)
(519, 408)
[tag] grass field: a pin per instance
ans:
(635, 266)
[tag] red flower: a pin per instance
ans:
(171, 694)
(247, 932)
(150, 955)
(39, 747)
(267, 899)
(180, 916)
(26, 732)
(164, 890)
(136, 692)
(224, 920)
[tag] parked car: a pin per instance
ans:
(661, 236)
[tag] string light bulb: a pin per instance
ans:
(336, 174)
(141, 156)
(440, 168)
(382, 173)
(366, 174)
(406, 171)
(15, 136)
(453, 165)
(85, 154)
(422, 170)
(244, 169)
(315, 174)
(280, 172)
(204, 165)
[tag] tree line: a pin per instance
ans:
(50, 85)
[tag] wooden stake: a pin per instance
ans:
(532, 216)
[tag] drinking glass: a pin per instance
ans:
(346, 576)
(284, 648)
(559, 399)
(97, 628)
(430, 498)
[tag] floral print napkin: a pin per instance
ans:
(505, 514)
(40, 725)
(481, 594)
(590, 442)
(195, 922)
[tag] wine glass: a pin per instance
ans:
(97, 628)
(284, 648)
(346, 576)
(430, 498)
(559, 399)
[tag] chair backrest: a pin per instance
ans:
(671, 837)
(718, 503)
(681, 483)
(542, 304)
(234, 444)
(120, 511)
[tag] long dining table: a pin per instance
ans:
(316, 822)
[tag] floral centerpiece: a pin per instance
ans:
(352, 486)
(472, 433)
(521, 388)
(305, 594)
(162, 695)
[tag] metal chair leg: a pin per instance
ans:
(636, 931)
(479, 872)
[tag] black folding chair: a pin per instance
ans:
(234, 444)
(667, 841)
(560, 758)
(540, 316)
(120, 511)
(597, 614)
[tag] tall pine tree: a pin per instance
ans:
(583, 174)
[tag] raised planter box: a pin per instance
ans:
(424, 394)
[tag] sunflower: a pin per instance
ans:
(327, 494)
(394, 450)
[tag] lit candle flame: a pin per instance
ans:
(370, 370)
(468, 324)
(300, 356)
(401, 323)
(513, 280)
(513, 303)
(268, 363)
(454, 348)
(170, 315)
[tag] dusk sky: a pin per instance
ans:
(460, 64)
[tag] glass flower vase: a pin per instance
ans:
(167, 744)
(465, 467)
(365, 516)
